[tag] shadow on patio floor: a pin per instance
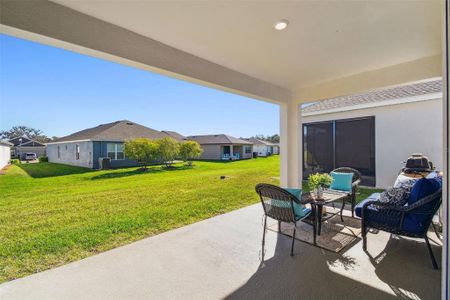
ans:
(402, 269)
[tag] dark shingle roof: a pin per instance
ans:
(217, 139)
(175, 135)
(398, 92)
(115, 131)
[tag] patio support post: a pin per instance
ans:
(231, 151)
(290, 145)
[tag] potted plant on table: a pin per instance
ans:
(317, 182)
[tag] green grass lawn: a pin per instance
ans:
(53, 214)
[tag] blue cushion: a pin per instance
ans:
(417, 222)
(341, 181)
(295, 192)
(300, 211)
(422, 188)
(358, 208)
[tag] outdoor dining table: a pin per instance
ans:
(328, 197)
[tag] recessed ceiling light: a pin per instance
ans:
(280, 25)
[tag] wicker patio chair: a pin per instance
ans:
(278, 204)
(356, 180)
(409, 220)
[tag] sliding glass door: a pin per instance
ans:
(340, 143)
(317, 148)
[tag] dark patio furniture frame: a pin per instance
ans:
(390, 218)
(281, 213)
(356, 180)
(328, 197)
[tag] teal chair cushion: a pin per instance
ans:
(341, 181)
(300, 211)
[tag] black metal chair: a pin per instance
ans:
(279, 205)
(356, 180)
(410, 220)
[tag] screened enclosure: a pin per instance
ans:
(340, 143)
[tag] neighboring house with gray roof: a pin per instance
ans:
(375, 131)
(223, 147)
(22, 145)
(263, 148)
(86, 148)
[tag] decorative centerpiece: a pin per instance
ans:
(317, 182)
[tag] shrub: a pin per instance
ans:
(190, 150)
(142, 150)
(168, 150)
(15, 161)
(43, 159)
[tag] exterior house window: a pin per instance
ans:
(77, 151)
(248, 149)
(115, 151)
(59, 152)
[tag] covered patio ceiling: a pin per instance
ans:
(330, 48)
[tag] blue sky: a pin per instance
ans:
(61, 92)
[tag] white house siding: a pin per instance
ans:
(5, 155)
(68, 154)
(261, 149)
(400, 130)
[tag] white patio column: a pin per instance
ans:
(231, 151)
(290, 145)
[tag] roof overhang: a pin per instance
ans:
(429, 97)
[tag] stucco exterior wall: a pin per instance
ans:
(68, 154)
(211, 152)
(5, 155)
(400, 130)
(276, 150)
(247, 155)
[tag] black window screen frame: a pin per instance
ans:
(368, 172)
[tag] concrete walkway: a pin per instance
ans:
(220, 258)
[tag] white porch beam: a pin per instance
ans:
(290, 145)
(54, 24)
(416, 70)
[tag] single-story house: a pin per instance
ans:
(22, 145)
(263, 148)
(374, 132)
(5, 153)
(87, 148)
(223, 147)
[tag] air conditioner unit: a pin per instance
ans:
(104, 163)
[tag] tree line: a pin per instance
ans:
(24, 131)
(269, 138)
(161, 151)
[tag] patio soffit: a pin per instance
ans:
(234, 46)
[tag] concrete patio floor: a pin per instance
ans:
(220, 258)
